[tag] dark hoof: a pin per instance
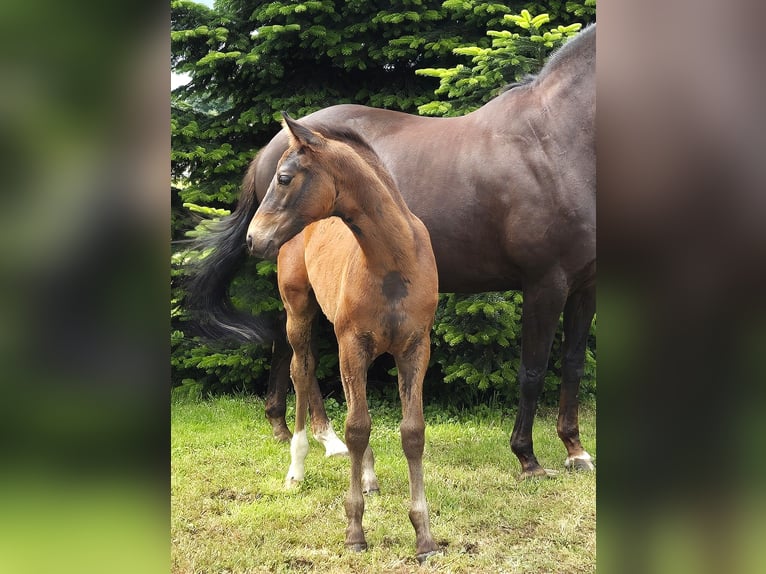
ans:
(280, 430)
(423, 556)
(372, 492)
(358, 547)
(283, 435)
(538, 472)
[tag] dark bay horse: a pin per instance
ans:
(508, 194)
(348, 244)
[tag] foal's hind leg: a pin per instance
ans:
(578, 315)
(412, 366)
(321, 427)
(543, 303)
(276, 401)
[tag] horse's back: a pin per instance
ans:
(506, 192)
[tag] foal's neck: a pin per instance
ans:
(374, 210)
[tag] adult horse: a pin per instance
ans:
(508, 194)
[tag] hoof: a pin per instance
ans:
(280, 430)
(371, 491)
(282, 435)
(423, 556)
(582, 462)
(336, 450)
(538, 472)
(357, 547)
(292, 484)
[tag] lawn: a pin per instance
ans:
(231, 514)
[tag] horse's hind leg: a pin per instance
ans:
(276, 394)
(578, 315)
(543, 303)
(412, 366)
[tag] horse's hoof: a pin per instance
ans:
(583, 462)
(375, 491)
(292, 484)
(537, 472)
(336, 450)
(423, 556)
(280, 430)
(357, 547)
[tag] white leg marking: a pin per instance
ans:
(333, 446)
(299, 448)
(584, 459)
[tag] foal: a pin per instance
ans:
(348, 244)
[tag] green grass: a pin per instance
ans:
(231, 513)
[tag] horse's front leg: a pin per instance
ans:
(354, 362)
(578, 315)
(543, 303)
(412, 365)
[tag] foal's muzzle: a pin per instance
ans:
(264, 249)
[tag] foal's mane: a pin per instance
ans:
(360, 145)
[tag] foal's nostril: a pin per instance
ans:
(249, 242)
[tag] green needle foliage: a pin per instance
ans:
(248, 60)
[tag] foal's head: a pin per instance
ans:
(302, 191)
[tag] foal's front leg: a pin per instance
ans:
(300, 314)
(354, 362)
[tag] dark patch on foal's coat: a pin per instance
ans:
(395, 286)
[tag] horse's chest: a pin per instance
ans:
(388, 310)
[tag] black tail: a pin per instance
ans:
(207, 282)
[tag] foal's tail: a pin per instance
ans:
(207, 281)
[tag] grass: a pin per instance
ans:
(231, 514)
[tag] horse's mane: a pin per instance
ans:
(561, 57)
(528, 79)
(355, 140)
(570, 51)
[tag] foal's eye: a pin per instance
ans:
(283, 179)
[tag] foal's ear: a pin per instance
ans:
(300, 134)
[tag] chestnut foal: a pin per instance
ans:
(348, 244)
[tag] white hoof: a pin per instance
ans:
(580, 462)
(333, 446)
(291, 483)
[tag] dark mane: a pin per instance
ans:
(347, 135)
(528, 79)
(570, 52)
(564, 54)
(363, 148)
